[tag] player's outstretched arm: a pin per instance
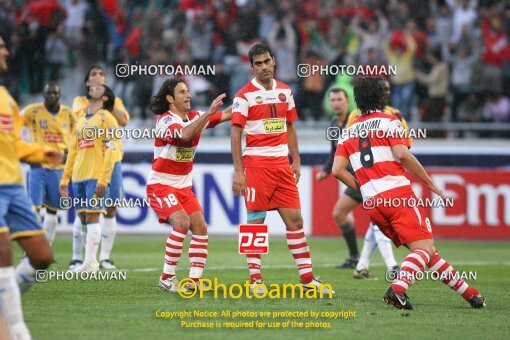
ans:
(239, 180)
(190, 131)
(410, 162)
(340, 172)
(226, 114)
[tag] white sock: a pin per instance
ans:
(385, 248)
(93, 238)
(108, 237)
(10, 304)
(368, 249)
(77, 239)
(50, 225)
(25, 275)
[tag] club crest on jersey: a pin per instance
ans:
(274, 125)
(259, 100)
(282, 97)
(184, 154)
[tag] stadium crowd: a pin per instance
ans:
(452, 56)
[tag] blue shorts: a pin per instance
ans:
(43, 187)
(85, 199)
(17, 215)
(116, 190)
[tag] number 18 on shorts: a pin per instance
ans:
(253, 239)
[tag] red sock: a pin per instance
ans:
(254, 264)
(451, 278)
(414, 263)
(173, 252)
(296, 241)
(197, 256)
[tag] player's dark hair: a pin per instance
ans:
(87, 75)
(52, 84)
(110, 102)
(259, 49)
(368, 94)
(338, 90)
(159, 104)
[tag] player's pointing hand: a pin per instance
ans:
(216, 104)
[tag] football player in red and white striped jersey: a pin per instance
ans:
(264, 109)
(169, 184)
(379, 155)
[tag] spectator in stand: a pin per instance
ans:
(310, 99)
(464, 14)
(496, 108)
(462, 64)
(76, 12)
(283, 41)
(56, 53)
(400, 49)
(495, 51)
(437, 83)
(199, 36)
(371, 38)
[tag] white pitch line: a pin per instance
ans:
(322, 265)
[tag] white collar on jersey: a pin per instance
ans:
(260, 87)
(176, 116)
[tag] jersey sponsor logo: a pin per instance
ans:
(185, 154)
(85, 144)
(52, 137)
(259, 100)
(274, 125)
(282, 97)
(6, 123)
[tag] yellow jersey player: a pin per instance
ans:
(90, 165)
(49, 123)
(96, 76)
(17, 219)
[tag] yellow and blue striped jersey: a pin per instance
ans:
(388, 109)
(81, 102)
(49, 129)
(91, 150)
(13, 148)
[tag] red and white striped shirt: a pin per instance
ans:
(264, 115)
(375, 167)
(173, 158)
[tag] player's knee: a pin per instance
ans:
(182, 223)
(340, 216)
(43, 261)
(296, 222)
(5, 255)
(200, 228)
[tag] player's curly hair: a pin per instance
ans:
(159, 104)
(368, 94)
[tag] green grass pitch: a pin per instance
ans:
(126, 309)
